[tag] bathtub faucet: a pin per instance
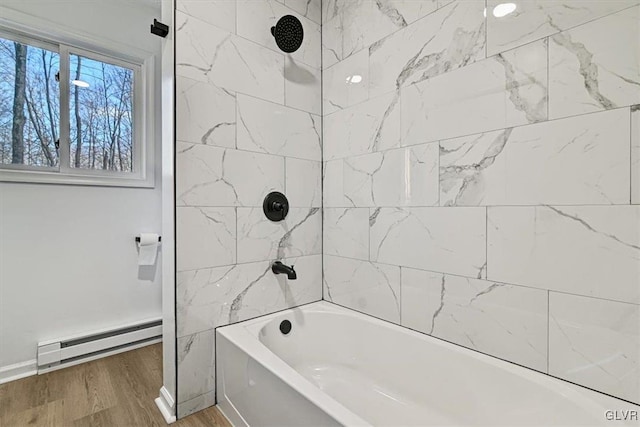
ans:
(279, 268)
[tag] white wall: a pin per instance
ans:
(67, 253)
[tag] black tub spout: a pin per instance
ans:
(279, 268)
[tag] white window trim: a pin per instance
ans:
(41, 33)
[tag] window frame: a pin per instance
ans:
(66, 44)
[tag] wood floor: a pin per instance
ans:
(116, 391)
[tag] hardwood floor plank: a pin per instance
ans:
(117, 391)
(50, 414)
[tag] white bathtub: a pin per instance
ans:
(339, 367)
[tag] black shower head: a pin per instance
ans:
(288, 33)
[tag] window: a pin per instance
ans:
(70, 115)
(101, 115)
(29, 105)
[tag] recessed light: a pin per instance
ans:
(80, 83)
(504, 9)
(354, 79)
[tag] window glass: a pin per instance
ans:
(29, 105)
(101, 115)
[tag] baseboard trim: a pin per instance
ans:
(18, 371)
(166, 405)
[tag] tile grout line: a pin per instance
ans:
(548, 322)
(548, 39)
(499, 282)
(400, 297)
(322, 165)
(449, 138)
(486, 241)
(243, 150)
(542, 205)
(249, 95)
(486, 29)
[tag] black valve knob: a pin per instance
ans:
(275, 206)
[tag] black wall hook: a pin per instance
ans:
(159, 29)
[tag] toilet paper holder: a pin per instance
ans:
(138, 239)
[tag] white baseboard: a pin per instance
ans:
(166, 405)
(18, 371)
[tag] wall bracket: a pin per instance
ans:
(159, 29)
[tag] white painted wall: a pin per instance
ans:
(67, 253)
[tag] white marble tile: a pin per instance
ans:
(260, 239)
(196, 365)
(585, 250)
(535, 19)
(579, 160)
(302, 87)
(205, 114)
(635, 154)
(206, 237)
(445, 40)
(199, 306)
(224, 295)
(196, 404)
(595, 66)
(364, 286)
(275, 129)
(346, 232)
(411, 10)
(332, 41)
(213, 176)
(333, 184)
(364, 128)
(450, 240)
(304, 186)
(307, 287)
(256, 17)
(401, 177)
(346, 83)
(358, 175)
(399, 12)
(407, 177)
(331, 9)
(502, 91)
(218, 296)
(526, 82)
(208, 54)
(242, 292)
(366, 22)
(509, 322)
(595, 343)
(311, 9)
(221, 13)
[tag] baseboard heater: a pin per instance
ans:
(62, 353)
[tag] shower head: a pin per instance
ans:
(288, 33)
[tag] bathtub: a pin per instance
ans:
(336, 367)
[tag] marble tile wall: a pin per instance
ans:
(482, 177)
(248, 123)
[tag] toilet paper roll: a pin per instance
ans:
(148, 248)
